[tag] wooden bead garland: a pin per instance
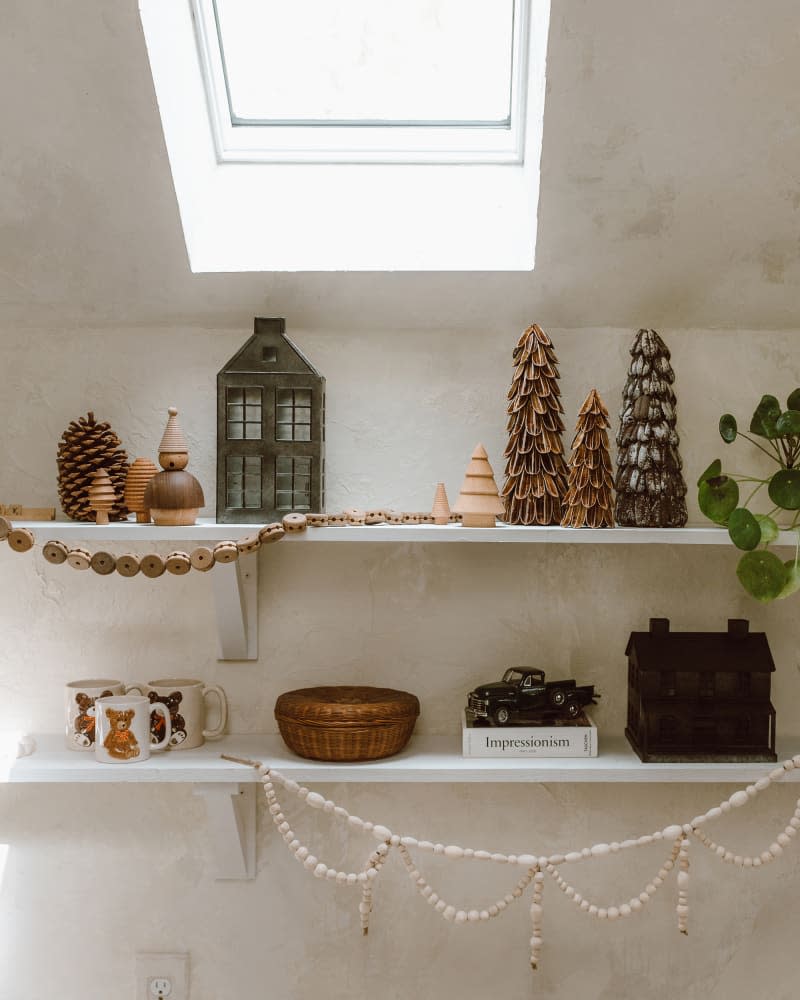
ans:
(537, 867)
(152, 566)
(128, 565)
(5, 528)
(20, 539)
(103, 563)
(55, 553)
(79, 559)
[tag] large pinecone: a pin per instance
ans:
(85, 447)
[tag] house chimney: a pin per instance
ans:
(738, 626)
(659, 626)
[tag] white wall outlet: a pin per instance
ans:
(162, 976)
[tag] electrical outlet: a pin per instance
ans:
(162, 976)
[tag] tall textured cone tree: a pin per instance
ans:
(651, 492)
(85, 447)
(536, 474)
(589, 499)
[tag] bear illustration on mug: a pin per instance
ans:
(120, 742)
(85, 722)
(158, 723)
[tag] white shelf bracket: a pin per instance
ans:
(231, 814)
(236, 600)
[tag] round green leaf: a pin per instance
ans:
(793, 583)
(718, 497)
(784, 489)
(769, 529)
(728, 428)
(765, 417)
(743, 529)
(788, 423)
(762, 575)
(711, 472)
(793, 402)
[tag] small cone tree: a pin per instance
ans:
(479, 502)
(536, 474)
(101, 495)
(651, 492)
(588, 501)
(441, 506)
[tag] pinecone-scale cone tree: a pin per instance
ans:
(651, 492)
(87, 446)
(536, 474)
(588, 501)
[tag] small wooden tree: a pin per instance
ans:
(441, 506)
(651, 492)
(588, 502)
(536, 474)
(479, 502)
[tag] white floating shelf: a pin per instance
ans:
(426, 759)
(209, 531)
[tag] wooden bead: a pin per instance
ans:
(103, 563)
(5, 528)
(20, 539)
(271, 533)
(336, 520)
(375, 517)
(55, 552)
(394, 517)
(250, 543)
(178, 563)
(355, 516)
(317, 520)
(128, 565)
(202, 559)
(152, 566)
(226, 552)
(295, 523)
(79, 559)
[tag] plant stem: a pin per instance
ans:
(761, 483)
(775, 457)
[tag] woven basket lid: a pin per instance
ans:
(343, 705)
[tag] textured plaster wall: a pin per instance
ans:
(669, 197)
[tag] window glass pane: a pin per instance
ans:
(393, 62)
(283, 432)
(252, 498)
(253, 431)
(302, 397)
(235, 431)
(302, 432)
(302, 415)
(235, 463)
(253, 396)
(234, 395)
(252, 463)
(283, 464)
(283, 415)
(302, 466)
(235, 412)
(283, 501)
(284, 397)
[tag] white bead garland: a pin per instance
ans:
(536, 865)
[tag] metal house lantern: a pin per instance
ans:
(270, 430)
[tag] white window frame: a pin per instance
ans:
(238, 142)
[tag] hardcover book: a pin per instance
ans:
(577, 738)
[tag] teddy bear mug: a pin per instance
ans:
(187, 701)
(123, 728)
(80, 713)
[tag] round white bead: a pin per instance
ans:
(777, 774)
(593, 911)
(528, 860)
(761, 784)
(449, 912)
(352, 878)
(625, 910)
(635, 904)
(453, 851)
(301, 853)
(356, 821)
(572, 857)
(613, 912)
(683, 880)
(474, 916)
(493, 910)
(501, 859)
(321, 871)
(381, 832)
(440, 906)
(738, 798)
(310, 862)
(461, 917)
(600, 850)
(425, 845)
(645, 840)
(585, 905)
(408, 841)
(714, 813)
(482, 856)
(672, 832)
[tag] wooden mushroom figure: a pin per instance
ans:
(174, 496)
(101, 495)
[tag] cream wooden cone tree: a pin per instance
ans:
(479, 502)
(588, 502)
(441, 506)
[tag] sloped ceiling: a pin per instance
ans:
(670, 184)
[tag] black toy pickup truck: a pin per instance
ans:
(523, 695)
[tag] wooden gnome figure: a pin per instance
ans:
(479, 502)
(174, 496)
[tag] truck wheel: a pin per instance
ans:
(557, 698)
(573, 710)
(501, 716)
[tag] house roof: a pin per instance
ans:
(249, 358)
(715, 651)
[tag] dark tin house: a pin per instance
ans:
(270, 430)
(700, 696)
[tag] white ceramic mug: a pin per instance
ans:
(80, 697)
(186, 700)
(123, 728)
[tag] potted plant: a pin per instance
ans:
(776, 432)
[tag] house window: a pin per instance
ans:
(742, 729)
(243, 481)
(269, 355)
(292, 483)
(243, 413)
(745, 684)
(706, 687)
(667, 683)
(293, 415)
(667, 729)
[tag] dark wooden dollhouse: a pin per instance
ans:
(270, 430)
(700, 696)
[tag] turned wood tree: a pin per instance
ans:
(588, 501)
(479, 502)
(651, 492)
(536, 474)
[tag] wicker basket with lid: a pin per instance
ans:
(346, 723)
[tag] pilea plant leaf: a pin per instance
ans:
(762, 575)
(793, 402)
(744, 529)
(788, 423)
(728, 428)
(768, 527)
(784, 489)
(717, 497)
(711, 472)
(766, 417)
(793, 582)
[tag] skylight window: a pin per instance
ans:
(365, 81)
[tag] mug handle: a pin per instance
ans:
(159, 708)
(136, 686)
(214, 734)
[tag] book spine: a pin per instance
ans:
(522, 742)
